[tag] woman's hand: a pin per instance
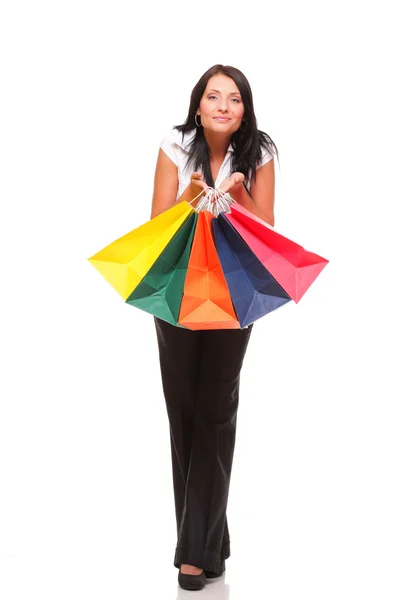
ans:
(233, 183)
(196, 183)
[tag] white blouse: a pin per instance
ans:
(178, 152)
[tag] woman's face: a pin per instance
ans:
(221, 98)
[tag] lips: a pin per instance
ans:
(222, 118)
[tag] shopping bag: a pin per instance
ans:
(253, 289)
(160, 291)
(294, 267)
(206, 302)
(124, 262)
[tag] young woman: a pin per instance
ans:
(220, 146)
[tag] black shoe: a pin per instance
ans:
(191, 582)
(212, 574)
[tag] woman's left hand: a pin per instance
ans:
(232, 183)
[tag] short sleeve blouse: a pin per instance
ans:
(177, 150)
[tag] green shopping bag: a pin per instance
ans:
(160, 291)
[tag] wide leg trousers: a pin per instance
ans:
(200, 373)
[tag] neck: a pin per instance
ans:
(218, 143)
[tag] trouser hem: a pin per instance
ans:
(204, 559)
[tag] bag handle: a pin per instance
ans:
(215, 201)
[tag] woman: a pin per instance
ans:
(220, 146)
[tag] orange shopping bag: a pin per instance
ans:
(206, 301)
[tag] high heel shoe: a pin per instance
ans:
(211, 574)
(191, 582)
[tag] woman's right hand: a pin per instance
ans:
(197, 184)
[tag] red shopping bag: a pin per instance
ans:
(293, 267)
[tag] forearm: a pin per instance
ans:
(241, 196)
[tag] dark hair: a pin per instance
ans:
(247, 145)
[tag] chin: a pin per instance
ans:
(223, 126)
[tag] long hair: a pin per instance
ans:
(247, 144)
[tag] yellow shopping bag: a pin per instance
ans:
(125, 262)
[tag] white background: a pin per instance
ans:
(86, 503)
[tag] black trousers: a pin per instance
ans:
(200, 373)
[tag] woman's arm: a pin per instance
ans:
(262, 190)
(166, 185)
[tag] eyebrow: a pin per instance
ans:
(232, 94)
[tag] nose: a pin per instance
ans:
(223, 105)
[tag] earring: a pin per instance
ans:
(244, 126)
(195, 120)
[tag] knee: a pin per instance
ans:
(218, 404)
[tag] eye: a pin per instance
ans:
(213, 96)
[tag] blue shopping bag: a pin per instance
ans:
(254, 291)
